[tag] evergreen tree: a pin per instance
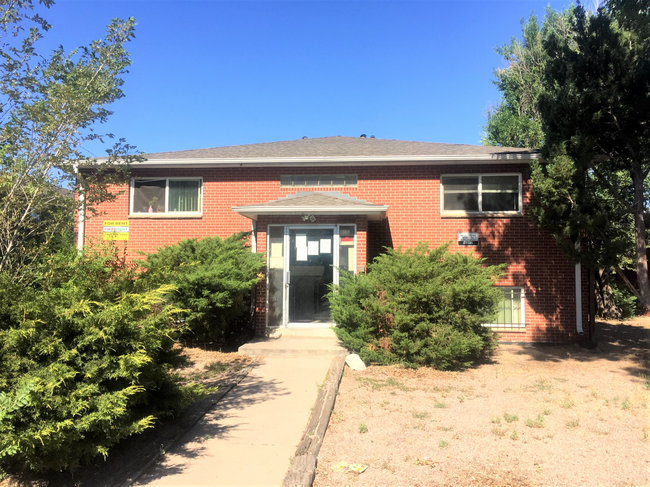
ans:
(595, 111)
(577, 86)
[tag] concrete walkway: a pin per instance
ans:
(250, 436)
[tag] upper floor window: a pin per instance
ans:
(481, 193)
(168, 195)
(318, 180)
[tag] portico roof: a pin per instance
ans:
(314, 203)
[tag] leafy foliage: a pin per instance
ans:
(213, 278)
(48, 107)
(419, 307)
(84, 361)
(516, 121)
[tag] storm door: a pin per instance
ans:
(310, 272)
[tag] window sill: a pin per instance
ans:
(507, 328)
(475, 214)
(163, 216)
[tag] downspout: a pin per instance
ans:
(254, 236)
(81, 227)
(578, 279)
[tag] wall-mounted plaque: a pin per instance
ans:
(469, 238)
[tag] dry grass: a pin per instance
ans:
(532, 416)
(207, 366)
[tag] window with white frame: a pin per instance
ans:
(481, 193)
(511, 310)
(166, 195)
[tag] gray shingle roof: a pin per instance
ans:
(314, 202)
(315, 198)
(338, 146)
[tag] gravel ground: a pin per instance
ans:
(544, 415)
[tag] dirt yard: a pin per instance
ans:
(530, 416)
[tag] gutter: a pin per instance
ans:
(499, 158)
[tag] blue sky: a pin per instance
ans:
(213, 73)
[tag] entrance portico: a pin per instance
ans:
(310, 239)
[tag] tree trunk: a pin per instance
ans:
(592, 303)
(639, 237)
(607, 308)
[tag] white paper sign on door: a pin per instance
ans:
(325, 246)
(301, 247)
(301, 254)
(312, 247)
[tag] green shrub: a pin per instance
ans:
(624, 300)
(213, 278)
(418, 307)
(84, 361)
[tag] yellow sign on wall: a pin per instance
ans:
(116, 230)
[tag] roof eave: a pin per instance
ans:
(493, 158)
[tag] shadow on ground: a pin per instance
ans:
(615, 341)
(190, 445)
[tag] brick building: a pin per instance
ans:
(322, 206)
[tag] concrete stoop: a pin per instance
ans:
(296, 342)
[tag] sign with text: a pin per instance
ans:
(469, 238)
(116, 230)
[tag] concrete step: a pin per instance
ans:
(296, 344)
(303, 332)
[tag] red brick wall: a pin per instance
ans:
(413, 196)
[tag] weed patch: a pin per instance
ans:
(420, 414)
(536, 423)
(543, 385)
(499, 432)
(573, 423)
(510, 418)
(568, 402)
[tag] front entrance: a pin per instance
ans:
(311, 271)
(303, 261)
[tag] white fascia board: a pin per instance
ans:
(253, 211)
(508, 158)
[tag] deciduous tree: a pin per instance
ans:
(48, 109)
(516, 121)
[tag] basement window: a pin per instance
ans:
(511, 311)
(166, 196)
(480, 193)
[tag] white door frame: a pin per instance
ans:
(285, 274)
